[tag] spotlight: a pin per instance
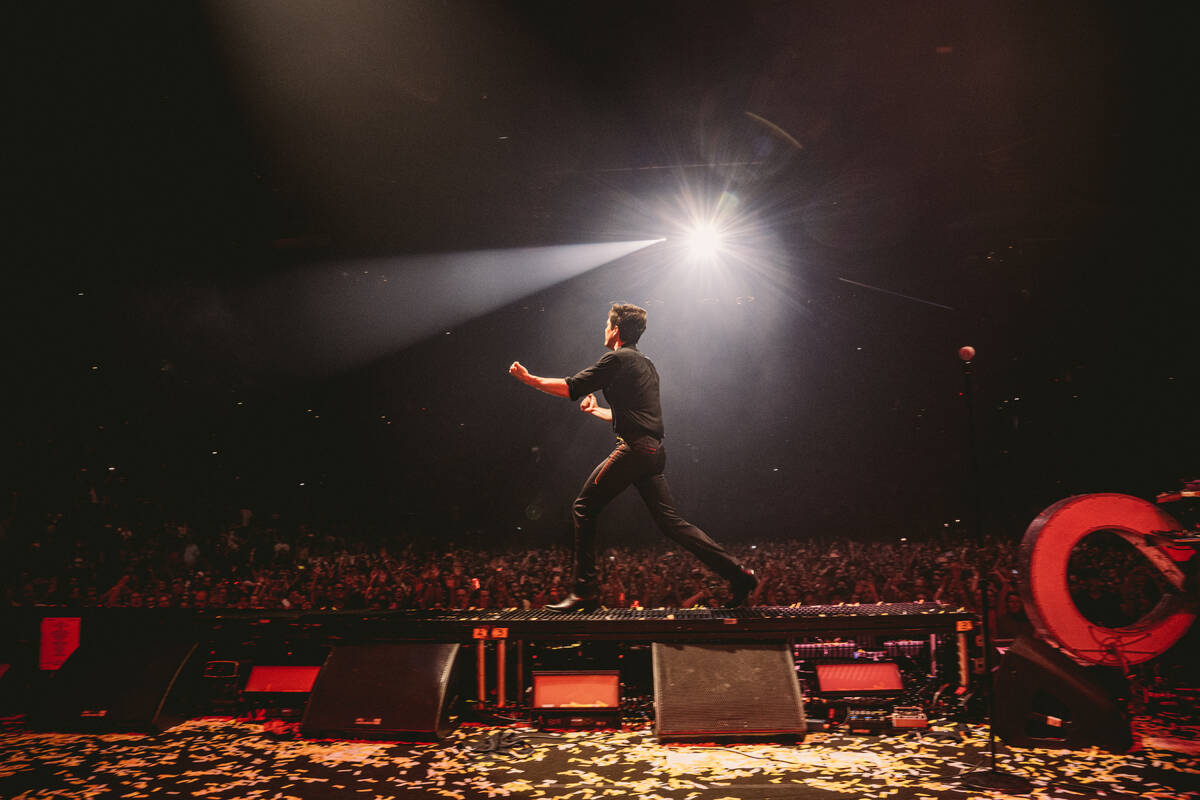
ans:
(704, 241)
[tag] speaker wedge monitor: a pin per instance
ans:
(123, 684)
(1044, 699)
(385, 690)
(708, 692)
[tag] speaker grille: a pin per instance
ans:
(709, 692)
(383, 691)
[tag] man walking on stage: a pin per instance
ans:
(630, 384)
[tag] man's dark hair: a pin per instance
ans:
(629, 319)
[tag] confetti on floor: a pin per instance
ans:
(220, 758)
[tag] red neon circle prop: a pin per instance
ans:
(1045, 552)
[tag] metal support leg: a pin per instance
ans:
(964, 659)
(520, 673)
(481, 672)
(501, 672)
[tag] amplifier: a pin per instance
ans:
(909, 717)
(807, 651)
(577, 698)
(868, 720)
(910, 648)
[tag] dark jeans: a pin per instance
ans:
(639, 462)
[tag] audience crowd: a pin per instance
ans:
(89, 556)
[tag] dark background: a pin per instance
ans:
(215, 210)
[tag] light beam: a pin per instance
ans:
(338, 316)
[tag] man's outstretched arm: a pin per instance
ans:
(551, 386)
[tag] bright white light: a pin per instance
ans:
(709, 227)
(704, 241)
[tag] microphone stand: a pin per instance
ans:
(990, 778)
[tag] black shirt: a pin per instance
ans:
(630, 385)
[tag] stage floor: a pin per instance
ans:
(226, 758)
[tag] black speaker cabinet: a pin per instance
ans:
(399, 691)
(119, 684)
(723, 692)
(1044, 699)
(14, 688)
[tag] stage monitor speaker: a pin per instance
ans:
(1044, 699)
(14, 689)
(724, 692)
(398, 691)
(119, 684)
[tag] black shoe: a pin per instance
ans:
(741, 588)
(574, 602)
